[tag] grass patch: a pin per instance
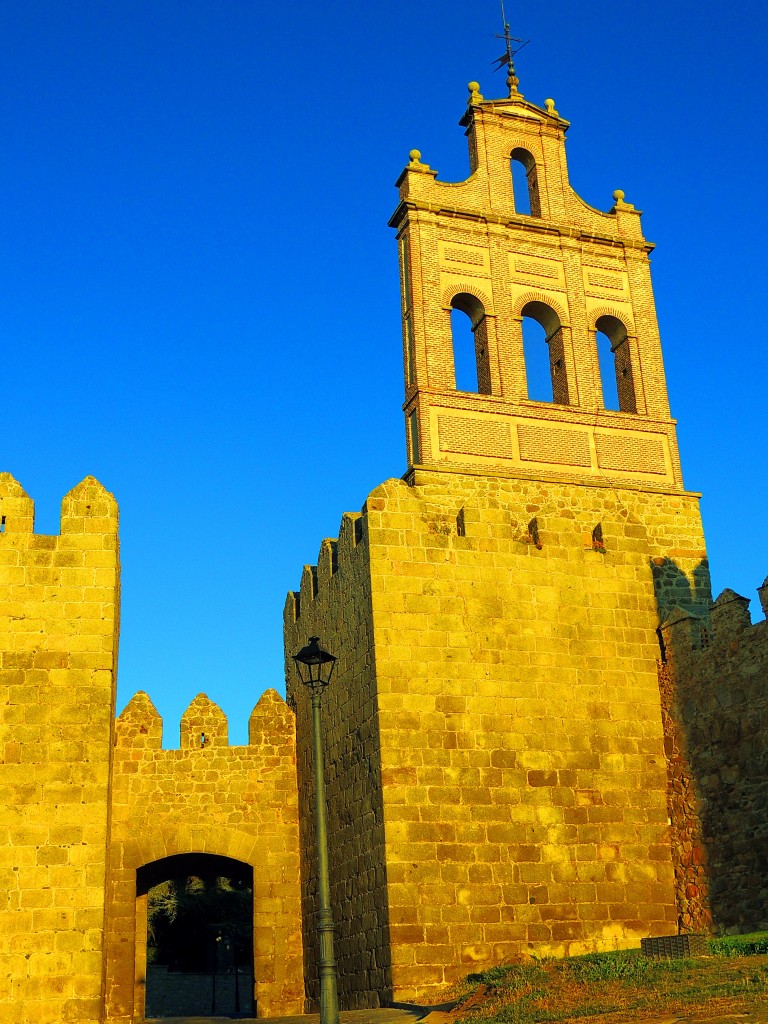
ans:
(754, 944)
(734, 975)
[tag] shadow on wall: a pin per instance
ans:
(675, 588)
(714, 685)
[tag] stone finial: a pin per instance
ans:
(415, 164)
(475, 96)
(730, 613)
(762, 593)
(618, 201)
(550, 105)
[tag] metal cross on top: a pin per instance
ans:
(507, 58)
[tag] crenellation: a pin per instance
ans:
(17, 509)
(139, 725)
(730, 613)
(327, 561)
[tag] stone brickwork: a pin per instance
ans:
(59, 609)
(238, 802)
(337, 595)
(717, 673)
(503, 694)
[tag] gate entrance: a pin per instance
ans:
(199, 936)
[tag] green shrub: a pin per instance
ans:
(754, 944)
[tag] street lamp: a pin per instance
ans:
(315, 668)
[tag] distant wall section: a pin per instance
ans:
(716, 675)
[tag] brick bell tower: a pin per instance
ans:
(496, 773)
(578, 272)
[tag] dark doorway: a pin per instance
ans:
(199, 936)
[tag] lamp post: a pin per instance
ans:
(315, 668)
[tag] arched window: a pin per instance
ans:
(470, 344)
(615, 359)
(541, 327)
(525, 183)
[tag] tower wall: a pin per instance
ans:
(59, 598)
(503, 616)
(509, 693)
(335, 603)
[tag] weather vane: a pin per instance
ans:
(507, 58)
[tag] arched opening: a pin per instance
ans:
(615, 360)
(544, 352)
(525, 183)
(199, 936)
(469, 333)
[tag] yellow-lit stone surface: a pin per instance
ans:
(87, 802)
(59, 610)
(496, 772)
(207, 797)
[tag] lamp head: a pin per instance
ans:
(314, 664)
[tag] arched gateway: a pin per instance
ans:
(195, 911)
(206, 812)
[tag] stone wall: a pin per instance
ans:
(335, 603)
(503, 677)
(59, 608)
(717, 667)
(208, 798)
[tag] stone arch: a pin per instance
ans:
(621, 361)
(212, 950)
(617, 312)
(557, 342)
(547, 299)
(222, 842)
(522, 155)
(468, 288)
(473, 362)
(277, 992)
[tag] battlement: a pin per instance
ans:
(335, 555)
(460, 514)
(88, 509)
(59, 615)
(726, 630)
(204, 727)
(208, 797)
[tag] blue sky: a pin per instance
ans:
(198, 290)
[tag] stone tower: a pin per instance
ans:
(496, 772)
(58, 653)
